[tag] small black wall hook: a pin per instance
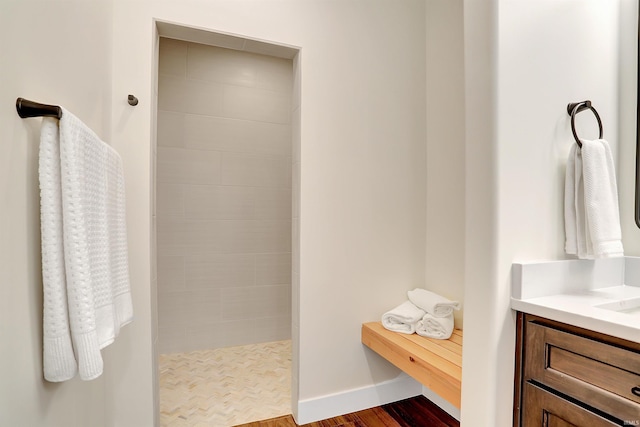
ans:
(132, 100)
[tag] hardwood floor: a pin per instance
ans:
(414, 412)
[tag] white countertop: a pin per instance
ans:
(573, 292)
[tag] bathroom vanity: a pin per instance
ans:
(578, 343)
(572, 376)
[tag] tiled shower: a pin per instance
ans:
(223, 197)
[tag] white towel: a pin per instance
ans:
(94, 243)
(573, 193)
(435, 327)
(433, 303)
(58, 358)
(592, 218)
(403, 318)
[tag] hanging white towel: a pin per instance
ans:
(573, 193)
(403, 318)
(94, 245)
(58, 358)
(592, 218)
(432, 303)
(435, 327)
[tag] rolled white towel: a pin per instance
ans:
(403, 318)
(435, 327)
(432, 303)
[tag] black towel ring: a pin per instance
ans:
(576, 107)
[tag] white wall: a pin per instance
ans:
(482, 336)
(627, 113)
(58, 53)
(539, 57)
(444, 260)
(224, 197)
(362, 181)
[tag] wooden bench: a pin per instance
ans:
(436, 364)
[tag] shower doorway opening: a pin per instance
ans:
(225, 209)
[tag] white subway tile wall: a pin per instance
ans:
(224, 197)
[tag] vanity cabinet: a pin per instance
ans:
(544, 408)
(568, 376)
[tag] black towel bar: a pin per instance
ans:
(576, 107)
(28, 108)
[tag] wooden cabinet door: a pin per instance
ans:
(596, 373)
(544, 409)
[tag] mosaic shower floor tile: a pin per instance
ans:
(225, 387)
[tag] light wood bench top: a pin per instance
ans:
(436, 364)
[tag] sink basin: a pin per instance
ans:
(628, 306)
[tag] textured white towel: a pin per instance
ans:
(573, 193)
(58, 358)
(435, 327)
(403, 318)
(432, 303)
(592, 218)
(94, 244)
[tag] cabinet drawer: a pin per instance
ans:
(603, 376)
(545, 409)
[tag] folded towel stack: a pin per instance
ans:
(591, 213)
(426, 313)
(432, 303)
(403, 318)
(438, 320)
(435, 327)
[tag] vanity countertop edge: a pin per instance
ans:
(570, 291)
(552, 311)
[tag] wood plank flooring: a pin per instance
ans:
(414, 412)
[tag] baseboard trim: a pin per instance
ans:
(333, 405)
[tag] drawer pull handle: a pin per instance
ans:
(636, 391)
(413, 360)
